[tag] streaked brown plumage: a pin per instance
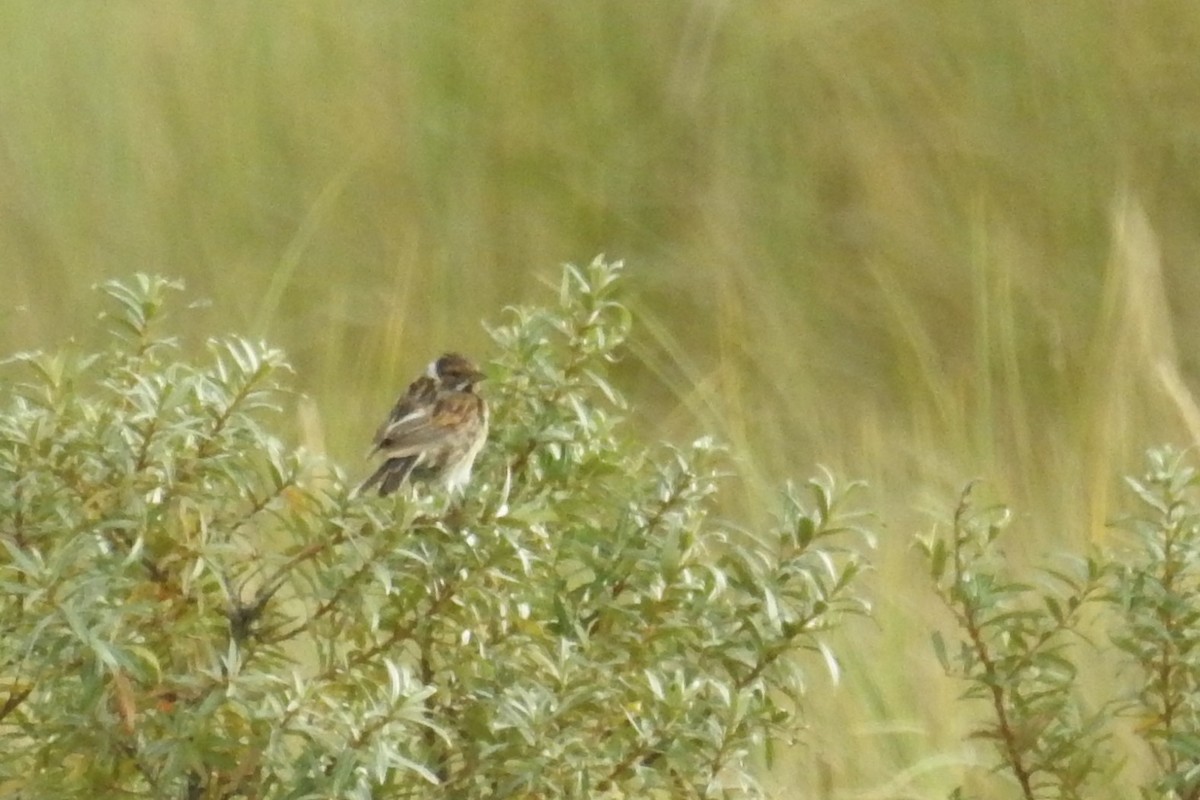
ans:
(435, 430)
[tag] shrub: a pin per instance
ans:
(191, 608)
(1126, 620)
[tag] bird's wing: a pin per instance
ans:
(427, 425)
(418, 400)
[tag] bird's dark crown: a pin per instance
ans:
(457, 371)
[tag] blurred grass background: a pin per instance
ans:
(918, 242)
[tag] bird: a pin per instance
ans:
(435, 431)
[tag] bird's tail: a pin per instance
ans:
(390, 475)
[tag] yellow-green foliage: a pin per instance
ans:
(917, 241)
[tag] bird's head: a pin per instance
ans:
(455, 372)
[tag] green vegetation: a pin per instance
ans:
(192, 610)
(1027, 646)
(919, 243)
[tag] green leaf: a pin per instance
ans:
(939, 650)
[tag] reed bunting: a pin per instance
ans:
(435, 431)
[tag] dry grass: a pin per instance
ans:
(917, 242)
